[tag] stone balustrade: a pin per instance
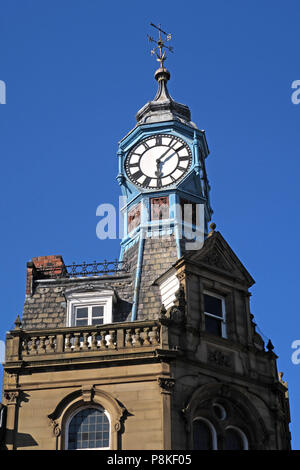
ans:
(25, 344)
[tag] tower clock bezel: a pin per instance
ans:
(180, 161)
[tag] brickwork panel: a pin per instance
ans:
(159, 255)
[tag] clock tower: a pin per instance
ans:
(165, 189)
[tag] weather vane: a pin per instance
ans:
(159, 49)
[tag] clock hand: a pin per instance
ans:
(164, 154)
(158, 170)
(158, 173)
(159, 163)
(170, 156)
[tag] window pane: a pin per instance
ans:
(97, 321)
(233, 440)
(212, 305)
(97, 311)
(81, 322)
(213, 326)
(201, 436)
(86, 430)
(82, 312)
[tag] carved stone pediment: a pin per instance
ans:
(215, 258)
(217, 254)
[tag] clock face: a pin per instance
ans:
(158, 161)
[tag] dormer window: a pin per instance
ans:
(89, 315)
(214, 313)
(90, 308)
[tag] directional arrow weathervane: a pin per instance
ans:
(159, 49)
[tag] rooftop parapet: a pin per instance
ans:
(53, 267)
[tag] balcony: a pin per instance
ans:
(110, 342)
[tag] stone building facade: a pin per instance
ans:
(158, 350)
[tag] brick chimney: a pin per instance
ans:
(43, 267)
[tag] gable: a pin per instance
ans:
(217, 255)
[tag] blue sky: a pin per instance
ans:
(77, 71)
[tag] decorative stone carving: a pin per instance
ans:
(181, 276)
(280, 376)
(117, 426)
(213, 227)
(163, 311)
(257, 339)
(78, 398)
(215, 258)
(177, 315)
(12, 379)
(87, 392)
(55, 427)
(225, 390)
(180, 298)
(285, 384)
(166, 384)
(11, 397)
(18, 323)
(219, 357)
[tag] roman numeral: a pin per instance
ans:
(138, 174)
(139, 150)
(180, 168)
(146, 145)
(172, 143)
(137, 154)
(158, 140)
(146, 181)
(186, 157)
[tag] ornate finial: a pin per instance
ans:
(18, 323)
(163, 310)
(285, 384)
(280, 375)
(270, 346)
(161, 55)
(213, 227)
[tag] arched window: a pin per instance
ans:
(88, 428)
(235, 439)
(204, 435)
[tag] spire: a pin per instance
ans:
(163, 107)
